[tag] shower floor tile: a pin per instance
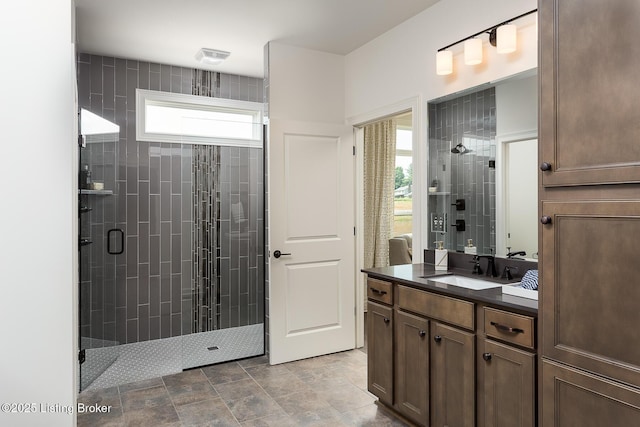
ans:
(152, 359)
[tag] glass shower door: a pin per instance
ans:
(99, 242)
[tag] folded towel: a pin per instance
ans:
(530, 280)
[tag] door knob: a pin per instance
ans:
(486, 356)
(545, 220)
(278, 254)
(544, 166)
(437, 338)
(422, 333)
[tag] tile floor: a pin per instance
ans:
(322, 391)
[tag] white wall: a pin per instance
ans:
(305, 85)
(38, 302)
(400, 64)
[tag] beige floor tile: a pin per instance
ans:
(212, 412)
(225, 373)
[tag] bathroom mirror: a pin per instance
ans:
(482, 168)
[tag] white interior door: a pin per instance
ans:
(311, 222)
(521, 185)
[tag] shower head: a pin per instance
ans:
(459, 149)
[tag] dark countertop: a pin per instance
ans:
(413, 275)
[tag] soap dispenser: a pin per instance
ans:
(442, 256)
(470, 249)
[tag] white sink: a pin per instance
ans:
(519, 292)
(466, 282)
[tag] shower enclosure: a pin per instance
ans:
(171, 237)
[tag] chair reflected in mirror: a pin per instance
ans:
(400, 249)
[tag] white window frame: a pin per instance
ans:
(195, 102)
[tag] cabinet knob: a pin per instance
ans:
(422, 333)
(386, 320)
(545, 219)
(544, 166)
(486, 356)
(437, 338)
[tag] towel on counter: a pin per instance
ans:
(530, 280)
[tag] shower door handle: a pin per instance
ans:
(110, 249)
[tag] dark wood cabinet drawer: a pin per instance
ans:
(510, 327)
(380, 290)
(449, 310)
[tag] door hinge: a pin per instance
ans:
(82, 356)
(354, 231)
(354, 150)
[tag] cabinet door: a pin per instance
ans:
(412, 367)
(509, 386)
(589, 287)
(589, 116)
(576, 398)
(453, 377)
(380, 351)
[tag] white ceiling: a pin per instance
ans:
(172, 31)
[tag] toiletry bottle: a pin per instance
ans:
(470, 249)
(88, 181)
(442, 256)
(85, 177)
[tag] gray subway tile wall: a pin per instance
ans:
(149, 291)
(470, 120)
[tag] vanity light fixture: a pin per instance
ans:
(473, 51)
(211, 56)
(503, 36)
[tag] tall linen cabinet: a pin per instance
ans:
(589, 206)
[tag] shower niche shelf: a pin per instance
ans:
(97, 192)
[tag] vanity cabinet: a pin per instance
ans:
(425, 369)
(451, 355)
(412, 357)
(380, 340)
(379, 351)
(453, 376)
(448, 361)
(508, 367)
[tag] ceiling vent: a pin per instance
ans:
(211, 56)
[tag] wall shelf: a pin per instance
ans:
(97, 192)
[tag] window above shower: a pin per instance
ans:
(181, 118)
